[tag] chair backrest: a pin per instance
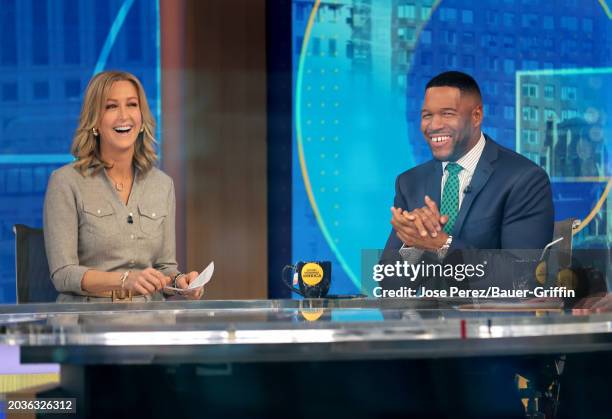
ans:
(33, 279)
(565, 229)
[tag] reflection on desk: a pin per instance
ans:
(318, 329)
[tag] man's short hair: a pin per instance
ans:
(463, 82)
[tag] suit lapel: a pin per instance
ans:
(482, 173)
(432, 185)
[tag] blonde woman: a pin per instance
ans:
(109, 216)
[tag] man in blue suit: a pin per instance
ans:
(474, 194)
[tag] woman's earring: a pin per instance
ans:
(142, 129)
(94, 131)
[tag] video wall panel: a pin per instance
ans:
(359, 71)
(48, 52)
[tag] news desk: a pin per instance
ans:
(298, 358)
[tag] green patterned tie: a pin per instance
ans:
(450, 196)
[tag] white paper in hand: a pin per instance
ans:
(200, 281)
(204, 277)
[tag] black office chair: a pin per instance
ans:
(33, 279)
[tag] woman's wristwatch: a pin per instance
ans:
(176, 277)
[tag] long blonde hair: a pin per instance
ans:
(86, 146)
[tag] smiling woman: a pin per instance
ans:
(109, 216)
(112, 99)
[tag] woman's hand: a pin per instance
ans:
(146, 281)
(183, 282)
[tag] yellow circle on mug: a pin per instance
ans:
(312, 314)
(311, 273)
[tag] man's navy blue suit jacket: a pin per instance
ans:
(509, 205)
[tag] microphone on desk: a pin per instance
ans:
(468, 189)
(130, 220)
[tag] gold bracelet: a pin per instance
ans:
(123, 278)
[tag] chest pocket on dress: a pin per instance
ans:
(100, 219)
(151, 219)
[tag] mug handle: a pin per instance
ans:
(288, 281)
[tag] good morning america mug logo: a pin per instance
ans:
(312, 273)
(312, 278)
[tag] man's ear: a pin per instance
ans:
(477, 115)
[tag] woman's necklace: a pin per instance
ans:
(118, 185)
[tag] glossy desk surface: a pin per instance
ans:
(292, 330)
